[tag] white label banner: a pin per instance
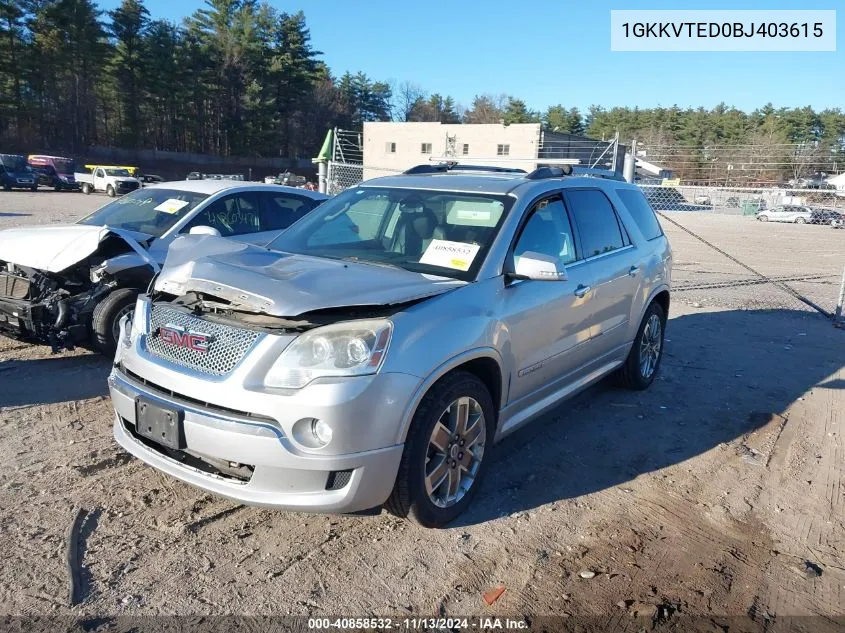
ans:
(723, 30)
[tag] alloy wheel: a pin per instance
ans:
(455, 451)
(650, 345)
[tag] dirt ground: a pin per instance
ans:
(718, 492)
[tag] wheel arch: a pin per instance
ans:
(662, 297)
(485, 363)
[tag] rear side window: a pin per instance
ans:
(641, 211)
(597, 224)
(236, 214)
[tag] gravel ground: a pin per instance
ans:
(810, 259)
(19, 208)
(718, 492)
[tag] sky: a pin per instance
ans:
(550, 51)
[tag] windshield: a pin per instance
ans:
(436, 232)
(152, 211)
(117, 172)
(64, 166)
(13, 162)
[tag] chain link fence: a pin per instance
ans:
(839, 314)
(754, 248)
(341, 176)
(734, 247)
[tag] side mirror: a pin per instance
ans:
(204, 230)
(538, 267)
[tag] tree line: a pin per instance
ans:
(239, 77)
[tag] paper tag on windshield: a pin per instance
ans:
(172, 206)
(447, 254)
(472, 214)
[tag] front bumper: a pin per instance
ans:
(22, 319)
(19, 183)
(17, 318)
(281, 475)
(126, 187)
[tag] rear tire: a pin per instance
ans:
(800, 221)
(105, 321)
(110, 191)
(638, 372)
(86, 188)
(34, 188)
(422, 461)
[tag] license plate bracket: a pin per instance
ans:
(162, 425)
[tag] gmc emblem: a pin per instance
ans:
(180, 337)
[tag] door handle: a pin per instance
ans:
(634, 270)
(581, 291)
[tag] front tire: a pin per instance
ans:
(643, 360)
(105, 321)
(446, 451)
(110, 191)
(763, 218)
(800, 221)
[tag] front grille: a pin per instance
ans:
(13, 286)
(129, 186)
(228, 344)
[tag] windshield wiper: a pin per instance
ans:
(353, 258)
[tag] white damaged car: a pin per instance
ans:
(71, 284)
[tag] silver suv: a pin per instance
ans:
(372, 354)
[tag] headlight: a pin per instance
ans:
(126, 327)
(141, 318)
(354, 348)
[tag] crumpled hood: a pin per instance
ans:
(55, 248)
(287, 285)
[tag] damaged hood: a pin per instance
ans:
(287, 285)
(55, 248)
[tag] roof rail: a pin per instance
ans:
(549, 168)
(541, 173)
(546, 171)
(451, 166)
(597, 173)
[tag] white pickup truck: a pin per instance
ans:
(113, 180)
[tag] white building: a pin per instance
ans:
(391, 147)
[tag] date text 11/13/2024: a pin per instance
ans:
(415, 624)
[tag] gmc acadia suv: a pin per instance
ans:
(372, 354)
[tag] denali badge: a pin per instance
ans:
(180, 337)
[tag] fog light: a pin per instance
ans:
(322, 432)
